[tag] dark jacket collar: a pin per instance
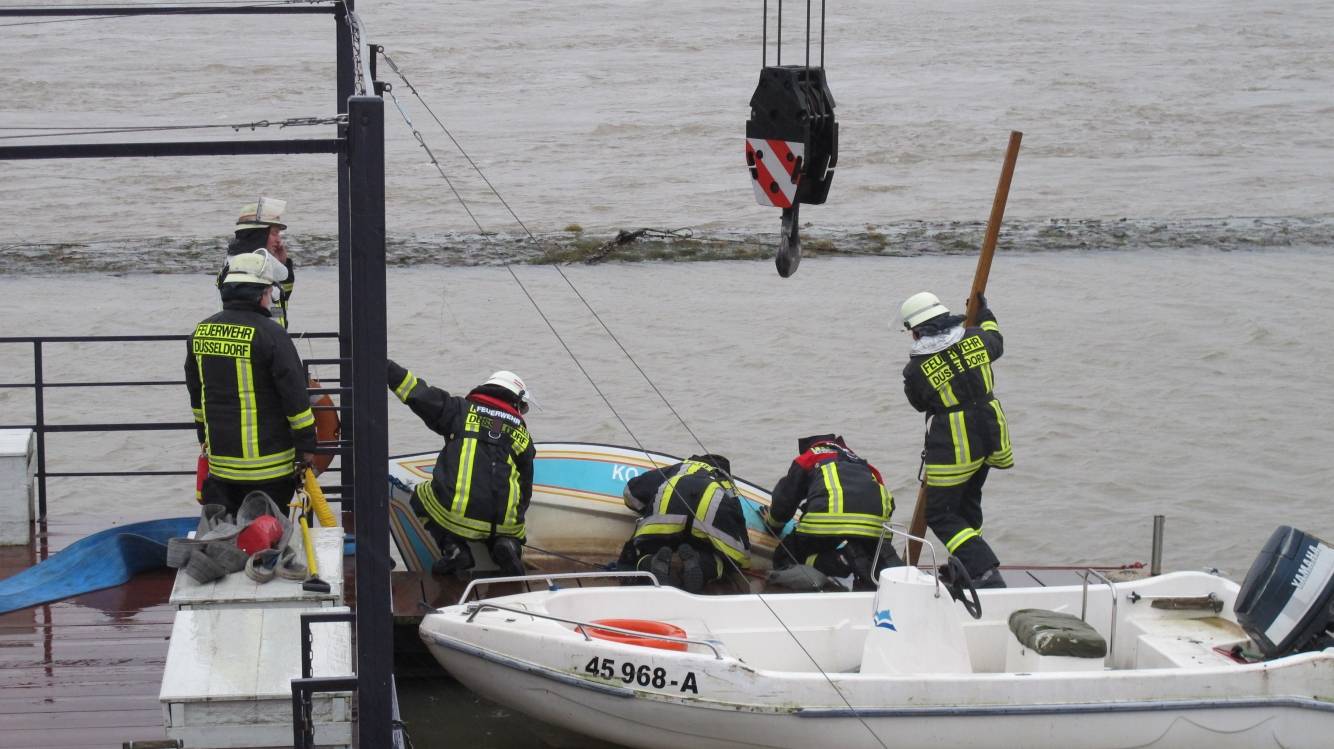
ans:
(237, 304)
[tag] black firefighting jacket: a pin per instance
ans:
(248, 394)
(691, 497)
(839, 493)
(483, 478)
(956, 387)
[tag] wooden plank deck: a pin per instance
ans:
(83, 672)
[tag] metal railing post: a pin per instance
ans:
(370, 449)
(40, 420)
(346, 84)
(1156, 561)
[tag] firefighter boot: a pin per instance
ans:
(454, 557)
(507, 553)
(692, 569)
(660, 564)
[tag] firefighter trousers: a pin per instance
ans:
(954, 514)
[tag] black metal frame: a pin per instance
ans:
(41, 428)
(359, 148)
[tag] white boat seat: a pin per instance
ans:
(1057, 633)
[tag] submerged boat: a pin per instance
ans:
(577, 507)
(1179, 660)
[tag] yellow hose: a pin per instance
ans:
(310, 547)
(318, 502)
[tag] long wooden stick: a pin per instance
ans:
(918, 527)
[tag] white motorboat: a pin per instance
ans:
(1166, 661)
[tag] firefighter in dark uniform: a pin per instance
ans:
(690, 509)
(949, 377)
(844, 503)
(248, 390)
(483, 478)
(260, 226)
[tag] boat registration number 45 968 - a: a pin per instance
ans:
(641, 674)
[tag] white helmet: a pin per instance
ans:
(511, 382)
(265, 213)
(258, 267)
(921, 307)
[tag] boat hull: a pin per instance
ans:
(645, 721)
(745, 683)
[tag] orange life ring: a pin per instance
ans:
(647, 626)
(327, 426)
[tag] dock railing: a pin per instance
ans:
(359, 164)
(42, 427)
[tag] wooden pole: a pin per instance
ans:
(918, 526)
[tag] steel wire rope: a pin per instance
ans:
(111, 129)
(642, 373)
(398, 71)
(586, 304)
(431, 155)
(579, 364)
(828, 679)
(183, 11)
(622, 421)
(162, 4)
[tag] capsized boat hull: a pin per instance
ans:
(577, 507)
(762, 691)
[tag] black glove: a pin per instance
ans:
(395, 375)
(981, 301)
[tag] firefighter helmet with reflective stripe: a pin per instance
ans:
(258, 267)
(511, 382)
(921, 307)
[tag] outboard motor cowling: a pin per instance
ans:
(1286, 603)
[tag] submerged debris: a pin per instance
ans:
(897, 239)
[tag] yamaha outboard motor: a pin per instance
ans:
(1286, 603)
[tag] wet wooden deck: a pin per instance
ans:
(83, 672)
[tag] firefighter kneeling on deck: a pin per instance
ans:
(248, 389)
(949, 376)
(844, 504)
(483, 477)
(692, 508)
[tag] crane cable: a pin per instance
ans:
(640, 369)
